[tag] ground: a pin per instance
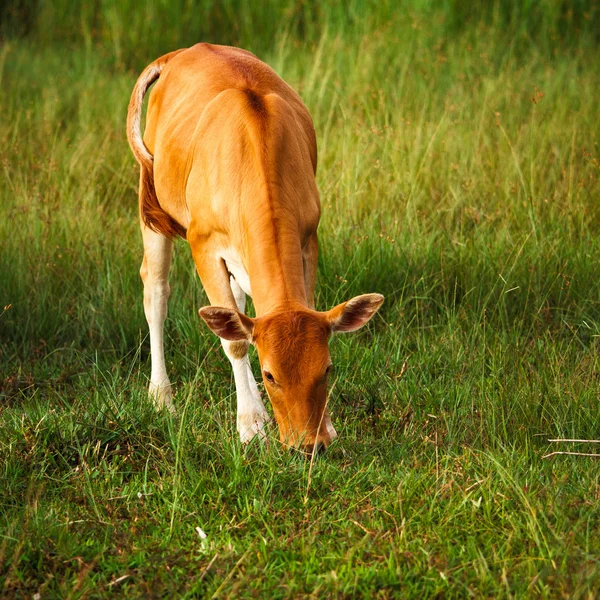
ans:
(458, 170)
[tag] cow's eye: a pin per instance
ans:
(328, 370)
(268, 376)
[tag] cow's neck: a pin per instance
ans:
(275, 265)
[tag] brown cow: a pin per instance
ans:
(228, 161)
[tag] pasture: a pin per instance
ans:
(459, 166)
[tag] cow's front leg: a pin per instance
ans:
(251, 413)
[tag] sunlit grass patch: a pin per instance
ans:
(458, 173)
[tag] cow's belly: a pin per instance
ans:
(236, 268)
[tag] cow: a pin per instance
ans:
(228, 161)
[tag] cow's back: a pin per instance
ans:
(188, 84)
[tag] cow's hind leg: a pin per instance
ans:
(155, 274)
(251, 413)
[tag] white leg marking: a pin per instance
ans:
(238, 294)
(251, 413)
(155, 272)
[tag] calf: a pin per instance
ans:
(228, 162)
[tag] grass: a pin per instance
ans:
(459, 168)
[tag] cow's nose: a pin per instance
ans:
(308, 449)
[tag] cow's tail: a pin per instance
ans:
(151, 212)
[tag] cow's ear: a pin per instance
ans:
(228, 323)
(352, 315)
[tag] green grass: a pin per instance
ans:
(459, 175)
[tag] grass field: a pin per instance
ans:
(459, 176)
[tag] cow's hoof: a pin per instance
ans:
(162, 396)
(251, 424)
(331, 432)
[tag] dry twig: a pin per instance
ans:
(576, 441)
(572, 454)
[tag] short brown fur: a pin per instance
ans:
(293, 336)
(228, 161)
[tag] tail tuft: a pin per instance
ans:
(152, 213)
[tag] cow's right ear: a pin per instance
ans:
(228, 323)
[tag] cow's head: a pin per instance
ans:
(294, 357)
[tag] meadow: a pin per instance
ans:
(459, 167)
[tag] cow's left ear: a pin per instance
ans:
(355, 313)
(228, 323)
